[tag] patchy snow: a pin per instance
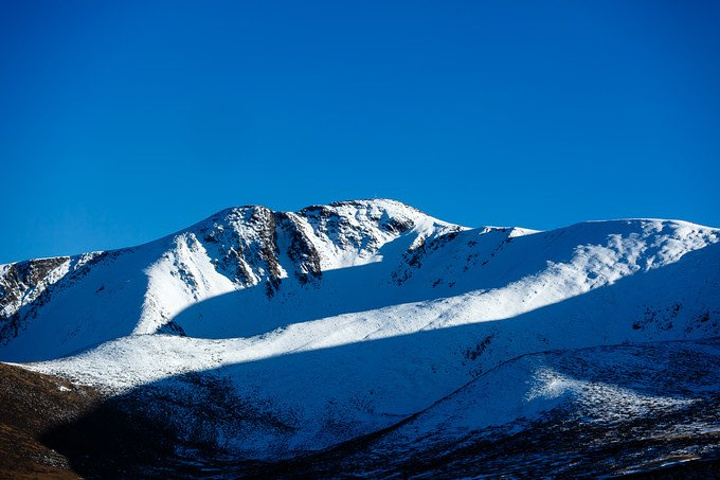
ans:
(598, 400)
(598, 387)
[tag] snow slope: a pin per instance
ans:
(337, 321)
(599, 411)
(97, 297)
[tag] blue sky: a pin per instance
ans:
(124, 121)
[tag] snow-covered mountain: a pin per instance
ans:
(324, 326)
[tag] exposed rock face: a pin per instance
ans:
(253, 245)
(243, 245)
(301, 250)
(25, 281)
(27, 286)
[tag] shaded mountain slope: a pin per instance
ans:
(33, 404)
(600, 411)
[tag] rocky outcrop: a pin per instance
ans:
(26, 283)
(27, 286)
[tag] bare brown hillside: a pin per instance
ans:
(32, 404)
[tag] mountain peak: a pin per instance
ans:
(336, 321)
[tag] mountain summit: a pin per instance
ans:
(147, 286)
(373, 325)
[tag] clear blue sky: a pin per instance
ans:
(124, 121)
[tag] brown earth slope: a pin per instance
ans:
(30, 405)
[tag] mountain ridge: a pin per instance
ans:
(334, 322)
